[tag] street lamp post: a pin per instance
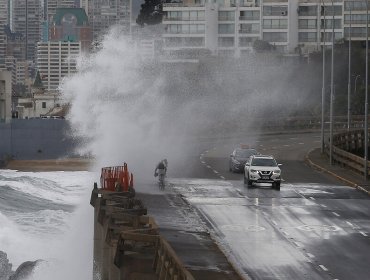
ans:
(349, 71)
(332, 86)
(366, 90)
(355, 90)
(323, 87)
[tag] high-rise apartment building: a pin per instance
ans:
(15, 44)
(56, 60)
(105, 13)
(27, 19)
(3, 22)
(230, 27)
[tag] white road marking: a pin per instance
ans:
(284, 232)
(323, 267)
(297, 244)
(300, 143)
(209, 166)
(336, 214)
(274, 222)
(203, 162)
(312, 198)
(206, 151)
(323, 205)
(286, 145)
(222, 177)
(363, 233)
(214, 171)
(311, 256)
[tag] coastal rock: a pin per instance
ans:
(5, 267)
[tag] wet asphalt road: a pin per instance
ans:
(314, 228)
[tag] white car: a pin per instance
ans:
(262, 169)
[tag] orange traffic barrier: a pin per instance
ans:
(116, 178)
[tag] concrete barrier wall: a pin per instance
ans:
(127, 244)
(36, 139)
(344, 144)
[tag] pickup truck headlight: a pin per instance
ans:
(253, 171)
(277, 171)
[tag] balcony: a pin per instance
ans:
(249, 18)
(174, 5)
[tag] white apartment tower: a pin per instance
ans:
(230, 27)
(106, 13)
(26, 19)
(56, 60)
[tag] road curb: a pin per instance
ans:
(323, 169)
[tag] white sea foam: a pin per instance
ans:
(56, 236)
(59, 187)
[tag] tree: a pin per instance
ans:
(150, 13)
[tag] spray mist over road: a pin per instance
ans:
(135, 112)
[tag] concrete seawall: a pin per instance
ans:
(36, 139)
(127, 244)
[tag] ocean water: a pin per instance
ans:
(47, 216)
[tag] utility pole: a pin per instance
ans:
(323, 87)
(366, 90)
(332, 86)
(349, 70)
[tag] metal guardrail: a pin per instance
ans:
(127, 244)
(343, 144)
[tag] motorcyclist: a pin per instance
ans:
(161, 168)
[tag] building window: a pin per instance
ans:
(226, 16)
(43, 105)
(307, 36)
(226, 28)
(275, 23)
(173, 15)
(246, 41)
(275, 10)
(355, 5)
(337, 36)
(307, 10)
(275, 36)
(249, 15)
(250, 28)
(307, 24)
(328, 10)
(328, 23)
(355, 19)
(192, 15)
(355, 32)
(226, 42)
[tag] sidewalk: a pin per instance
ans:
(321, 162)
